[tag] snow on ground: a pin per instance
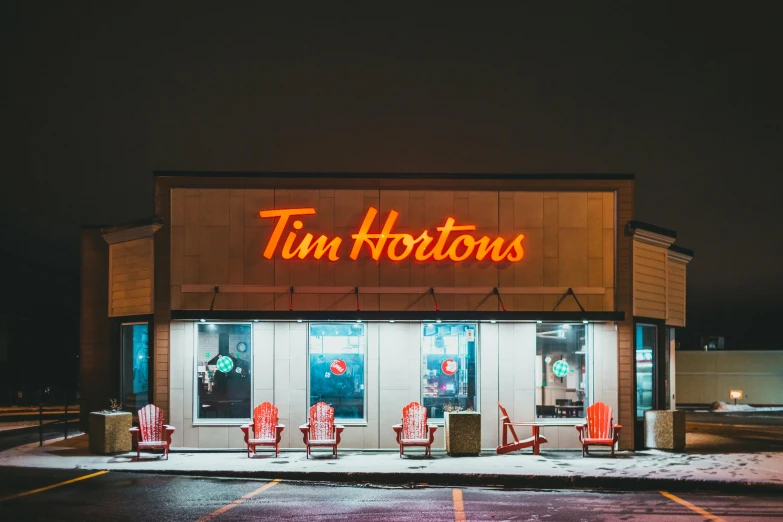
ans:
(721, 406)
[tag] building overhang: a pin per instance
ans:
(403, 315)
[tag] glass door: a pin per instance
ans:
(646, 348)
(134, 371)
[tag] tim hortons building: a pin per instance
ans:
(369, 291)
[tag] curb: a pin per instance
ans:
(583, 482)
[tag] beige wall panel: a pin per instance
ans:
(213, 255)
(551, 271)
(177, 207)
(528, 210)
(438, 205)
(257, 270)
(349, 209)
(546, 219)
(595, 272)
(572, 209)
(259, 301)
(257, 200)
(213, 208)
(551, 230)
(529, 271)
(177, 254)
(236, 270)
(399, 201)
(236, 226)
(483, 209)
(191, 225)
(524, 302)
(305, 199)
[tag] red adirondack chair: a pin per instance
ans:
(599, 430)
(151, 433)
(264, 430)
(414, 430)
(321, 430)
(507, 447)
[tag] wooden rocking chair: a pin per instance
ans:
(321, 429)
(264, 430)
(414, 430)
(151, 433)
(599, 430)
(507, 447)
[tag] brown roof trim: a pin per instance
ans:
(389, 175)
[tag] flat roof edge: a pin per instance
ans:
(391, 175)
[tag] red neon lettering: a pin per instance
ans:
(397, 246)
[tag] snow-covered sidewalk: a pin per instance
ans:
(650, 469)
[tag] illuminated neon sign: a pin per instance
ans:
(396, 246)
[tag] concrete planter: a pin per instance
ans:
(664, 429)
(109, 432)
(463, 433)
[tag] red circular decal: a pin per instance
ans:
(449, 366)
(338, 367)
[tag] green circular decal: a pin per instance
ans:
(225, 364)
(560, 368)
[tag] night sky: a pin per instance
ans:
(684, 95)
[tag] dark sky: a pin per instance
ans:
(685, 95)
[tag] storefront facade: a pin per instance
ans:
(369, 292)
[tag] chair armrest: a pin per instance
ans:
(305, 429)
(246, 430)
(398, 430)
(580, 427)
(432, 428)
(338, 429)
(617, 427)
(169, 431)
(279, 432)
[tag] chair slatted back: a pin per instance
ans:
(151, 423)
(599, 421)
(321, 422)
(414, 421)
(265, 421)
(505, 419)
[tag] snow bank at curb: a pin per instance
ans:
(720, 406)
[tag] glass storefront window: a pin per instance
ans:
(646, 341)
(561, 370)
(449, 355)
(223, 372)
(337, 368)
(134, 392)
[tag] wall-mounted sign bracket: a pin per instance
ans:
(435, 301)
(291, 299)
(356, 292)
(568, 292)
(500, 299)
(212, 305)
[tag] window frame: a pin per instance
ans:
(221, 422)
(363, 422)
(589, 375)
(477, 403)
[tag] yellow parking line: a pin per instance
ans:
(32, 491)
(459, 510)
(697, 509)
(238, 501)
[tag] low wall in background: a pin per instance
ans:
(705, 377)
